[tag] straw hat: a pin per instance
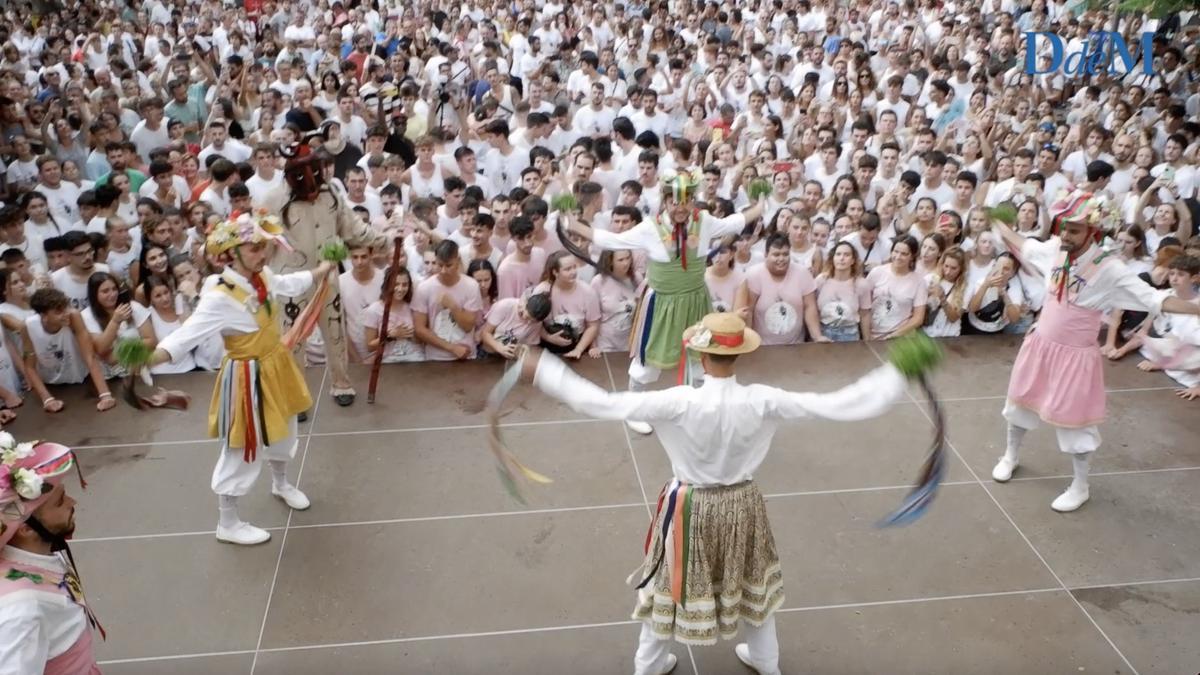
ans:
(723, 333)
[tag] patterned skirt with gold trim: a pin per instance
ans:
(710, 563)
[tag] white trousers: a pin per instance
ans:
(641, 374)
(1070, 441)
(234, 476)
(652, 652)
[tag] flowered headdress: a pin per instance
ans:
(28, 471)
(245, 228)
(1079, 206)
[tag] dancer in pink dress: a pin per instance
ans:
(1058, 377)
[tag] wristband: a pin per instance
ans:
(105, 395)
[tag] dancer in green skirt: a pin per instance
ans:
(676, 244)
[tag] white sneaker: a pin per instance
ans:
(1070, 500)
(639, 427)
(1003, 470)
(243, 534)
(293, 497)
(672, 661)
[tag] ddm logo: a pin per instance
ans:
(1097, 55)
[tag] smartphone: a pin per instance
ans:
(1168, 174)
(124, 296)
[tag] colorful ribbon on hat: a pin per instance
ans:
(674, 543)
(685, 364)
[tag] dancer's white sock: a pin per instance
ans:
(279, 478)
(1080, 464)
(1015, 435)
(227, 508)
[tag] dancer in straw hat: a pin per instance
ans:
(260, 389)
(45, 623)
(1058, 377)
(710, 561)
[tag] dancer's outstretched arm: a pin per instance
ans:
(553, 377)
(870, 396)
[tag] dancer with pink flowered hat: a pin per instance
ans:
(1058, 376)
(45, 623)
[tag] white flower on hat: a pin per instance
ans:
(28, 483)
(6, 440)
(10, 454)
(701, 339)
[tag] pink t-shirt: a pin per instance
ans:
(511, 329)
(356, 298)
(578, 306)
(841, 300)
(550, 244)
(723, 290)
(893, 298)
(618, 300)
(428, 301)
(514, 277)
(779, 312)
(395, 351)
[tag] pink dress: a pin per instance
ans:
(1059, 372)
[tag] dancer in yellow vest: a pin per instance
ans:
(260, 389)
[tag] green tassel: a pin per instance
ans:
(915, 354)
(564, 202)
(334, 251)
(132, 353)
(1004, 212)
(758, 188)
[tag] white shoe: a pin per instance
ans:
(743, 654)
(243, 534)
(672, 661)
(1070, 500)
(293, 497)
(1003, 470)
(639, 427)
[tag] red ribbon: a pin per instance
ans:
(259, 286)
(251, 441)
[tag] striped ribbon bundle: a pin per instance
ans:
(507, 465)
(256, 424)
(917, 502)
(674, 544)
(304, 324)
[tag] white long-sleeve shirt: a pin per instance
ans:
(1113, 286)
(719, 433)
(644, 236)
(218, 312)
(36, 626)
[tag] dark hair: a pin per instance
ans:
(400, 271)
(538, 306)
(482, 264)
(914, 249)
(446, 250)
(520, 226)
(150, 282)
(48, 299)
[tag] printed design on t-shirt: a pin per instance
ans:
(576, 322)
(446, 328)
(837, 313)
(719, 305)
(507, 338)
(781, 318)
(885, 309)
(623, 318)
